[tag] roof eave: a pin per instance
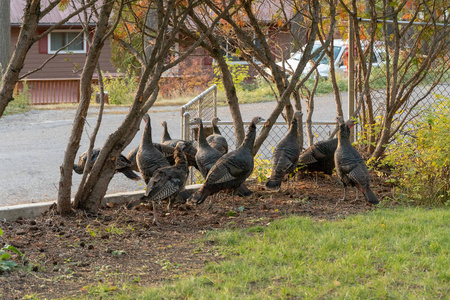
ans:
(52, 24)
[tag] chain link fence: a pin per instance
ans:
(321, 131)
(420, 45)
(414, 49)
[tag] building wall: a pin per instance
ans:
(63, 65)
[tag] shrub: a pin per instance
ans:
(120, 90)
(420, 160)
(238, 72)
(191, 79)
(21, 102)
(261, 169)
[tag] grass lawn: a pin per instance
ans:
(397, 254)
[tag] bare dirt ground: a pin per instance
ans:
(64, 256)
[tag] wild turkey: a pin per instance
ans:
(216, 140)
(319, 157)
(206, 155)
(350, 166)
(232, 169)
(148, 158)
(285, 155)
(123, 165)
(188, 149)
(166, 136)
(166, 182)
(167, 151)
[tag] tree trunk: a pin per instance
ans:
(24, 43)
(87, 167)
(232, 99)
(298, 106)
(336, 91)
(384, 138)
(5, 34)
(65, 183)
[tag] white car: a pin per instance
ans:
(340, 60)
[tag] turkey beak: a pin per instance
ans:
(340, 120)
(350, 123)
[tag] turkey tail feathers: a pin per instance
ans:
(273, 184)
(199, 197)
(133, 203)
(243, 191)
(128, 172)
(371, 197)
(184, 194)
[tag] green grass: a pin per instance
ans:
(396, 254)
(261, 91)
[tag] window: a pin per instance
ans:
(59, 39)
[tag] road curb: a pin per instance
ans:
(35, 210)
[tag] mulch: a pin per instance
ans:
(65, 256)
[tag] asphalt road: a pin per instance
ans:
(32, 145)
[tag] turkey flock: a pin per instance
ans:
(165, 166)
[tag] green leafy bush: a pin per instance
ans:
(420, 160)
(239, 73)
(262, 169)
(21, 102)
(120, 90)
(7, 265)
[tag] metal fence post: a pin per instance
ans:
(183, 110)
(215, 100)
(351, 72)
(200, 104)
(185, 136)
(187, 120)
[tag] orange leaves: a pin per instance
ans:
(407, 17)
(181, 3)
(121, 32)
(63, 5)
(280, 23)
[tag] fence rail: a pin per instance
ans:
(203, 106)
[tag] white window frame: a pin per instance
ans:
(49, 43)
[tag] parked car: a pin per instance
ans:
(340, 59)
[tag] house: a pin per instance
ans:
(283, 39)
(58, 80)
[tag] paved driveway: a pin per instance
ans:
(32, 145)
